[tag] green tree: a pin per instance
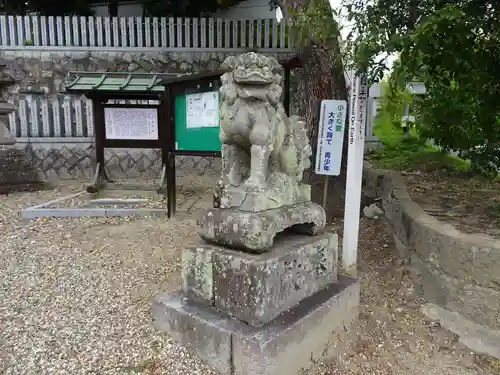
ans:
(451, 46)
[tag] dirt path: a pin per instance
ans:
(393, 337)
(75, 299)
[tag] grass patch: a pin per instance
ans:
(409, 152)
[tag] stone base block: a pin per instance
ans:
(257, 288)
(255, 231)
(316, 329)
(15, 172)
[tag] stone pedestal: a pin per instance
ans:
(272, 313)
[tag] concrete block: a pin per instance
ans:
(202, 330)
(478, 338)
(315, 329)
(257, 288)
(474, 302)
(457, 271)
(30, 213)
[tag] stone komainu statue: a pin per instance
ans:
(264, 152)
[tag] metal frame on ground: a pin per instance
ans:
(44, 209)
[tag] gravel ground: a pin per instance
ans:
(74, 293)
(75, 299)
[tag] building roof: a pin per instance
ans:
(416, 88)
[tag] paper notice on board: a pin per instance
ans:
(202, 110)
(194, 111)
(210, 104)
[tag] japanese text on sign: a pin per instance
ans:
(131, 123)
(202, 110)
(362, 103)
(330, 137)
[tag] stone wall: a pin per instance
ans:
(77, 161)
(46, 70)
(456, 272)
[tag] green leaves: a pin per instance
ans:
(451, 46)
(315, 23)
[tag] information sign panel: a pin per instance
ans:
(131, 123)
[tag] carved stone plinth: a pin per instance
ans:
(255, 231)
(16, 173)
(266, 314)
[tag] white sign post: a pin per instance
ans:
(330, 140)
(355, 155)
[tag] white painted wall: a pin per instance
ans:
(125, 9)
(249, 9)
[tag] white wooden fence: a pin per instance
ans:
(40, 116)
(61, 116)
(25, 32)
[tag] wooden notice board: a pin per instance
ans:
(198, 135)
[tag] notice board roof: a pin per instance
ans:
(132, 83)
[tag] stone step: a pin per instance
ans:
(317, 329)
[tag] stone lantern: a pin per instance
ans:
(6, 139)
(15, 172)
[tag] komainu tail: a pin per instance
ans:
(302, 146)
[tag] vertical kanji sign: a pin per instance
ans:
(330, 137)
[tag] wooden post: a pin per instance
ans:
(170, 149)
(164, 137)
(100, 134)
(286, 94)
(171, 186)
